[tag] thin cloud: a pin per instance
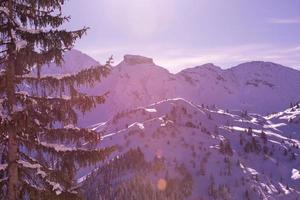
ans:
(284, 20)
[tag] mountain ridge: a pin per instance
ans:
(150, 60)
(260, 87)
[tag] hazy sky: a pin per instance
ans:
(186, 33)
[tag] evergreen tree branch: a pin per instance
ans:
(81, 156)
(87, 77)
(79, 101)
(51, 190)
(38, 17)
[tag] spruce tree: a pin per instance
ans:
(41, 148)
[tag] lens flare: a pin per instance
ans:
(162, 184)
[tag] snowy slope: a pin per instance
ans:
(175, 149)
(287, 121)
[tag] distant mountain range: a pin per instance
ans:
(259, 87)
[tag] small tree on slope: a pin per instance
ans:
(40, 147)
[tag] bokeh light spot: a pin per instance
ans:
(162, 184)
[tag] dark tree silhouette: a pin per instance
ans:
(42, 148)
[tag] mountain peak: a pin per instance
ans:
(259, 65)
(204, 67)
(210, 66)
(137, 59)
(264, 68)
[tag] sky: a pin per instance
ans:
(184, 33)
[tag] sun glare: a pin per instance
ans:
(141, 18)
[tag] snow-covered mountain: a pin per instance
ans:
(175, 149)
(260, 87)
(194, 134)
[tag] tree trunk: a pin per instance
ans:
(12, 165)
(12, 134)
